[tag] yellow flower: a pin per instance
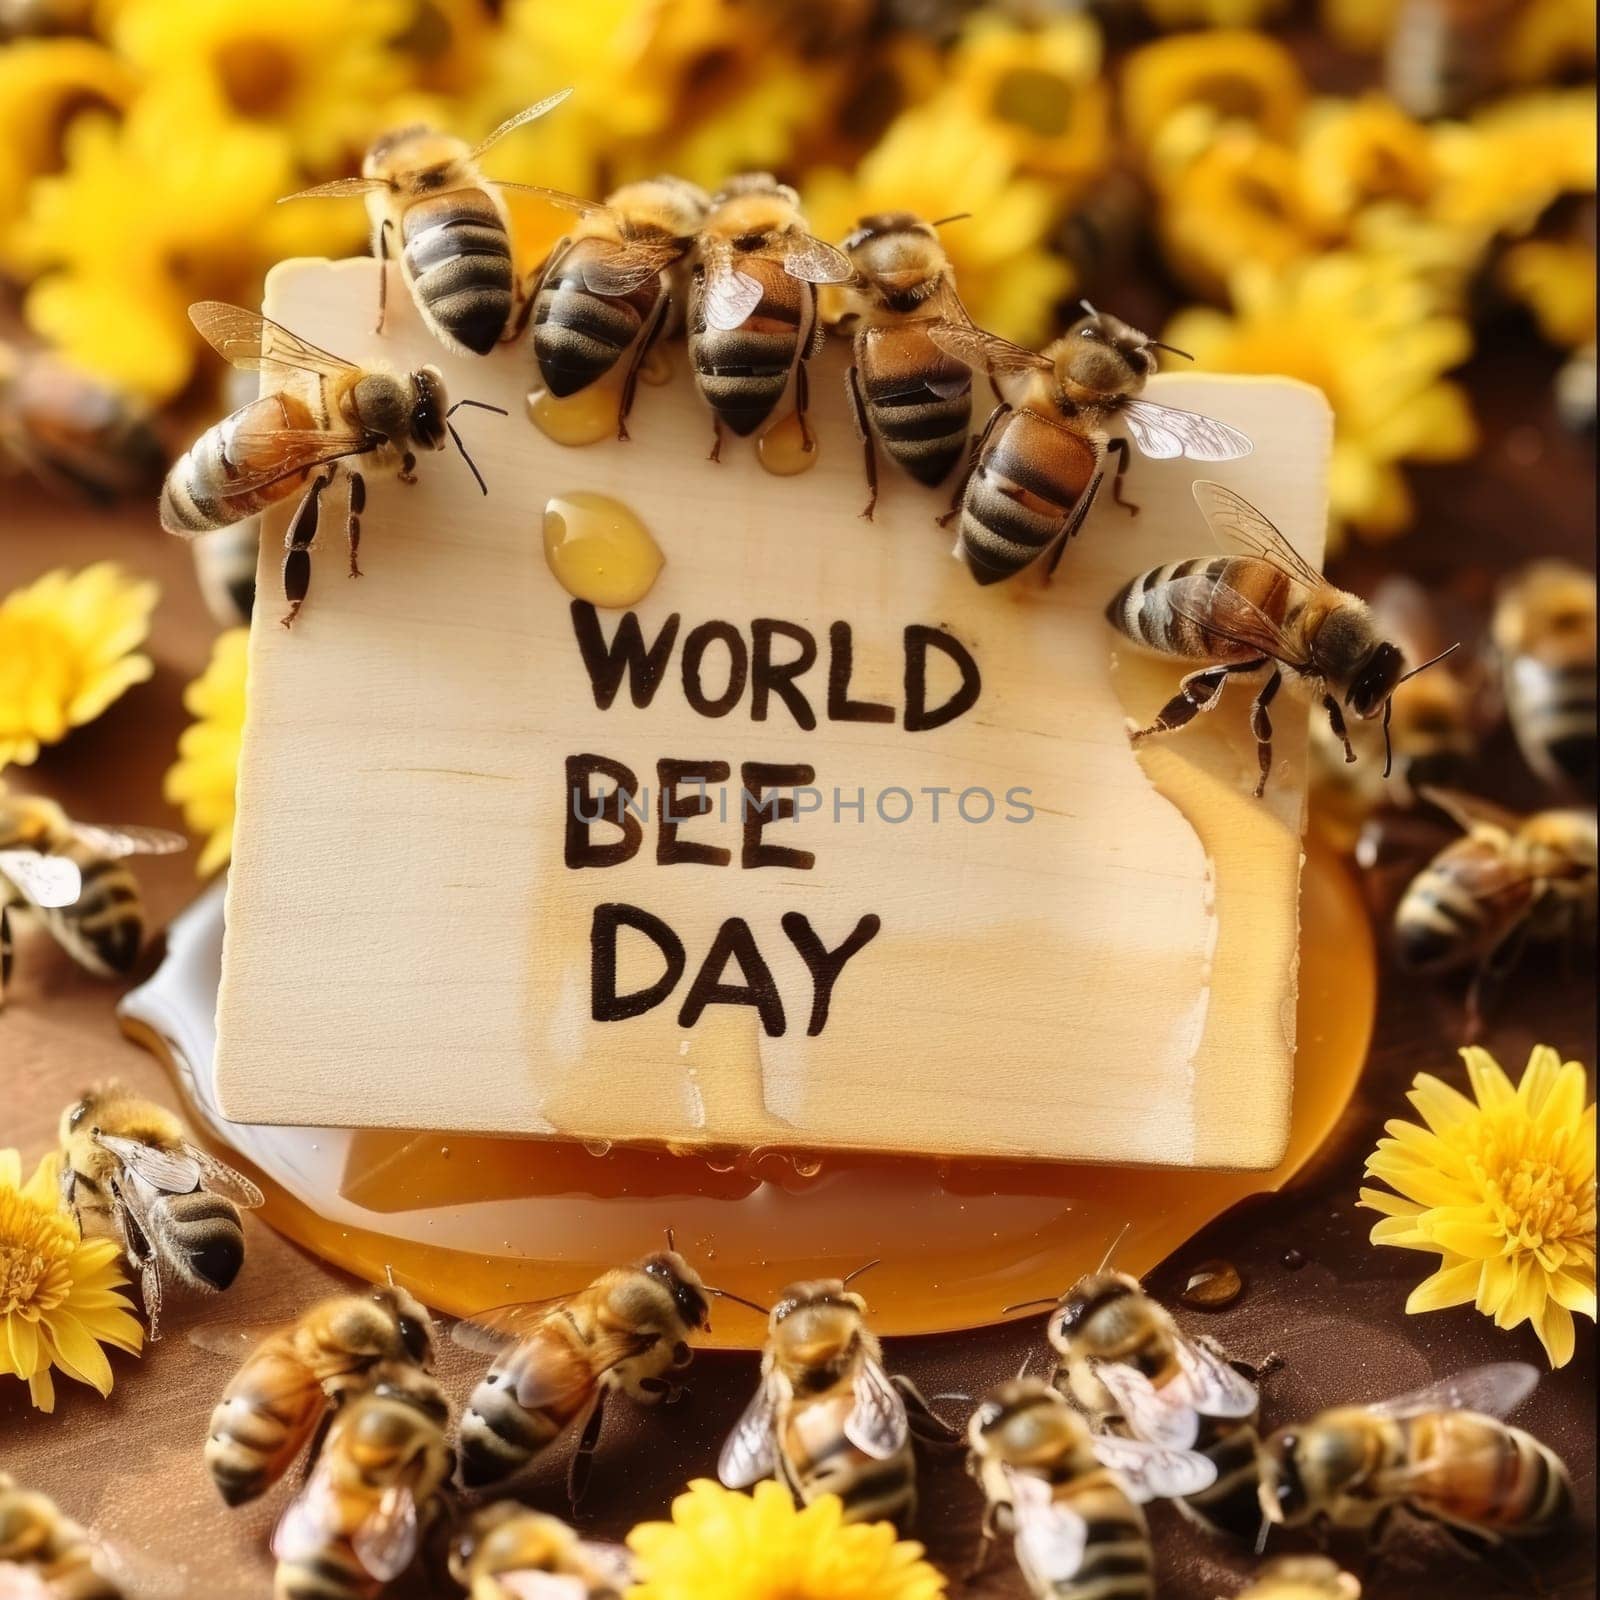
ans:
(68, 648)
(201, 780)
(1370, 336)
(1363, 25)
(1212, 13)
(58, 1291)
(1501, 1188)
(1550, 39)
(1238, 76)
(1354, 153)
(726, 1546)
(1555, 278)
(1043, 88)
(315, 70)
(941, 158)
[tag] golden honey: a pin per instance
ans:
(586, 417)
(782, 449)
(599, 550)
(958, 1239)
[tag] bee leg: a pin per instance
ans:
(1336, 722)
(408, 468)
(1119, 448)
(716, 438)
(642, 348)
(318, 1439)
(1198, 692)
(1261, 727)
(926, 1423)
(1072, 522)
(1497, 966)
(297, 548)
(381, 245)
(802, 403)
(583, 1456)
(859, 411)
(352, 527)
(956, 499)
(986, 1536)
(8, 953)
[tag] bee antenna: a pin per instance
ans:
(1261, 1537)
(481, 405)
(739, 1300)
(1388, 749)
(471, 464)
(671, 1244)
(388, 1272)
(955, 216)
(1113, 1247)
(1089, 310)
(1022, 1371)
(1428, 663)
(877, 1261)
(1171, 349)
(1026, 1305)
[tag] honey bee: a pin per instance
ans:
(43, 1552)
(1302, 1578)
(1260, 612)
(827, 1419)
(507, 1552)
(273, 1404)
(615, 285)
(73, 878)
(424, 188)
(72, 432)
(753, 303)
(129, 1167)
(905, 391)
(1510, 880)
(557, 1360)
(1129, 1367)
(1544, 637)
(1038, 465)
(359, 1520)
(328, 412)
(1070, 1499)
(1440, 1453)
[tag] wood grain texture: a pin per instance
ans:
(407, 948)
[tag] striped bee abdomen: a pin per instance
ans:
(499, 1434)
(1142, 609)
(1445, 920)
(457, 257)
(817, 1459)
(1552, 712)
(196, 496)
(743, 372)
(1231, 1505)
(578, 335)
(1021, 492)
(104, 929)
(1471, 1469)
(202, 1236)
(1117, 1561)
(923, 428)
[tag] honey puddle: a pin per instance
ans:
(783, 451)
(586, 417)
(599, 550)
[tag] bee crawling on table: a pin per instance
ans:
(73, 879)
(508, 1552)
(328, 415)
(295, 1379)
(45, 1555)
(827, 1418)
(1262, 612)
(130, 1168)
(1039, 464)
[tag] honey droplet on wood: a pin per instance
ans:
(782, 448)
(1212, 1285)
(599, 550)
(586, 417)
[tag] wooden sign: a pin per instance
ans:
(913, 890)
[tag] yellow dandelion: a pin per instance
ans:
(1372, 338)
(1238, 76)
(1549, 40)
(68, 647)
(941, 158)
(59, 1299)
(1502, 1188)
(1043, 88)
(201, 780)
(1356, 153)
(446, 43)
(315, 71)
(1555, 279)
(726, 1546)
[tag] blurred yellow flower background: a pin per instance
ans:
(140, 166)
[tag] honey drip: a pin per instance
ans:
(782, 448)
(959, 1239)
(586, 417)
(599, 550)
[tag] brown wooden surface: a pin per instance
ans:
(132, 1465)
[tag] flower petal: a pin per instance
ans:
(1449, 1286)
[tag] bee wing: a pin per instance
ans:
(24, 1583)
(985, 352)
(554, 197)
(1214, 1388)
(1469, 813)
(1050, 1538)
(1153, 1471)
(522, 118)
(339, 189)
(1163, 432)
(251, 341)
(165, 1171)
(386, 1541)
(488, 1332)
(1151, 1414)
(1220, 608)
(1236, 524)
(877, 1424)
(812, 261)
(308, 1522)
(1496, 1389)
(750, 1452)
(623, 270)
(48, 882)
(217, 1177)
(529, 1585)
(729, 295)
(268, 455)
(129, 839)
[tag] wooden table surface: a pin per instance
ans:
(132, 1467)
